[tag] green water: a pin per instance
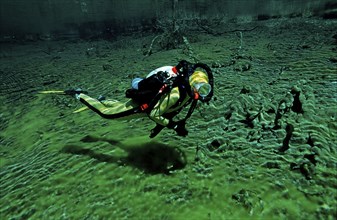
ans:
(56, 164)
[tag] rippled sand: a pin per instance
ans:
(264, 148)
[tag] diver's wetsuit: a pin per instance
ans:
(168, 103)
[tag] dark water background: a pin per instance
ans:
(71, 18)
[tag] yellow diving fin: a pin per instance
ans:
(61, 92)
(81, 109)
(64, 92)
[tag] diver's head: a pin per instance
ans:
(199, 83)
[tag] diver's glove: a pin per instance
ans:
(179, 127)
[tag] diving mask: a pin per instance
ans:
(203, 89)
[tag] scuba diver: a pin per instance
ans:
(161, 96)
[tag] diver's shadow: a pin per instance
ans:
(151, 157)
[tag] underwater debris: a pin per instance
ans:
(228, 114)
(333, 60)
(245, 90)
(297, 104)
(305, 167)
(189, 49)
(271, 165)
(263, 17)
(149, 51)
(335, 36)
(284, 106)
(170, 36)
(310, 141)
(215, 145)
(204, 25)
(248, 121)
(311, 158)
(285, 146)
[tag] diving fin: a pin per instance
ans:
(81, 109)
(71, 92)
(52, 92)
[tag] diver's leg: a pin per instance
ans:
(156, 130)
(112, 109)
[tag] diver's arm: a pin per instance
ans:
(164, 104)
